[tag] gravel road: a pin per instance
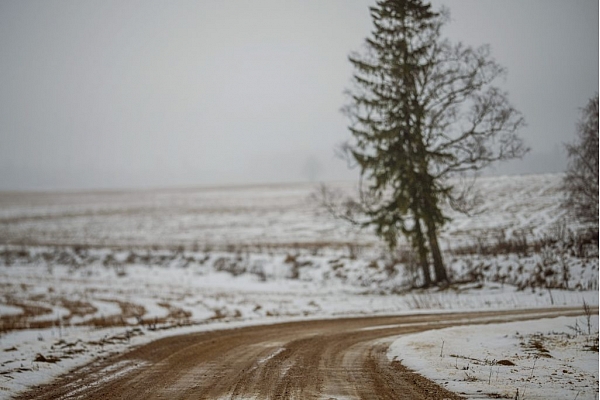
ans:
(321, 359)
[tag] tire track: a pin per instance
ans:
(327, 359)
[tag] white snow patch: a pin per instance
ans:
(464, 359)
(272, 355)
(10, 310)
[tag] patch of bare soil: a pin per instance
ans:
(25, 320)
(327, 359)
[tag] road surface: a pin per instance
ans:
(323, 359)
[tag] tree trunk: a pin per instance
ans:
(438, 263)
(422, 254)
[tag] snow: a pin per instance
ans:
(235, 301)
(85, 275)
(270, 356)
(10, 310)
(551, 360)
(108, 374)
(265, 216)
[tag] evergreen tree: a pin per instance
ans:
(422, 110)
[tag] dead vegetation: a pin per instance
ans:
(543, 263)
(560, 260)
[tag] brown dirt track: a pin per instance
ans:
(324, 359)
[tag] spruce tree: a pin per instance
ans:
(422, 110)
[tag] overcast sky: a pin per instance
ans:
(114, 94)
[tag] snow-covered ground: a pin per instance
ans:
(83, 275)
(260, 216)
(544, 359)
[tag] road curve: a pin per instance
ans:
(324, 359)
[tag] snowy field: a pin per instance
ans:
(273, 216)
(84, 275)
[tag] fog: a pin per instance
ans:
(132, 94)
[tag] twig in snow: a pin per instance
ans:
(588, 316)
(490, 377)
(535, 358)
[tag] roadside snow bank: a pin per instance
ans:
(544, 359)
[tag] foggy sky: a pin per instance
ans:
(114, 94)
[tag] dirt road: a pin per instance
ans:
(327, 359)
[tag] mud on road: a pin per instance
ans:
(323, 359)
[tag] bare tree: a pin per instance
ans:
(581, 180)
(422, 110)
